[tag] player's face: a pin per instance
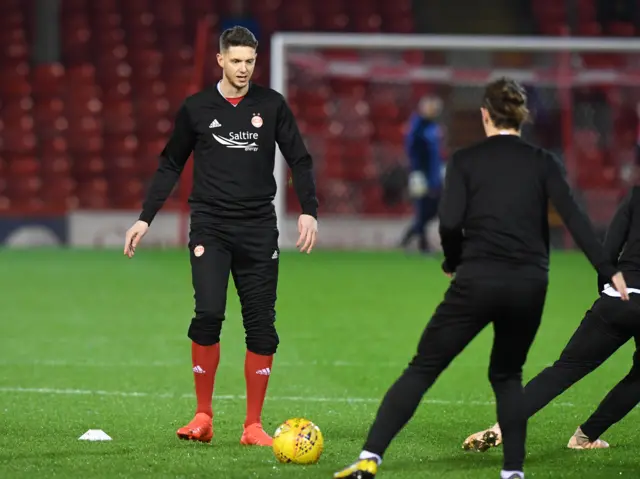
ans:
(430, 107)
(237, 65)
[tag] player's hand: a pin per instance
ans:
(448, 272)
(308, 229)
(133, 237)
(620, 285)
(417, 185)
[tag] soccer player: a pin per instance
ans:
(495, 236)
(608, 325)
(233, 128)
(425, 178)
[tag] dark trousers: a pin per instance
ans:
(514, 306)
(608, 325)
(251, 256)
(426, 209)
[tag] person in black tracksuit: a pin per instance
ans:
(495, 236)
(232, 129)
(609, 324)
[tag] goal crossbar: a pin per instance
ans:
(453, 42)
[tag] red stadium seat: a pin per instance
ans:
(48, 80)
(621, 29)
(589, 29)
(88, 166)
(55, 166)
(587, 11)
(58, 190)
(395, 7)
(23, 187)
(93, 193)
(22, 166)
(116, 145)
(122, 166)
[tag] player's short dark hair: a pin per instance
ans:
(237, 37)
(506, 101)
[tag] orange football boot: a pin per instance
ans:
(199, 429)
(254, 435)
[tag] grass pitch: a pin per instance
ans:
(91, 340)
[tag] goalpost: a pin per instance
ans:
(352, 94)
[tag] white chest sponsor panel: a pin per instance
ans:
(245, 140)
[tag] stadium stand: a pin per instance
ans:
(86, 132)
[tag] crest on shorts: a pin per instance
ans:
(256, 120)
(198, 251)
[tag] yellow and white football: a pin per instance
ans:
(298, 441)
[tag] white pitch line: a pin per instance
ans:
(179, 363)
(127, 394)
(187, 364)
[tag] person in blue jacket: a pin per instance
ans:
(422, 146)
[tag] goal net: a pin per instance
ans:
(353, 94)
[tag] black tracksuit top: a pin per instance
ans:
(494, 211)
(234, 155)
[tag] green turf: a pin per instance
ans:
(82, 331)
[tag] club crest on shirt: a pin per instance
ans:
(198, 251)
(256, 120)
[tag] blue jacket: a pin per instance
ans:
(422, 145)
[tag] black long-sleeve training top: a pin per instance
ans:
(234, 155)
(494, 211)
(622, 241)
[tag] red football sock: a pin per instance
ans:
(257, 370)
(205, 361)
